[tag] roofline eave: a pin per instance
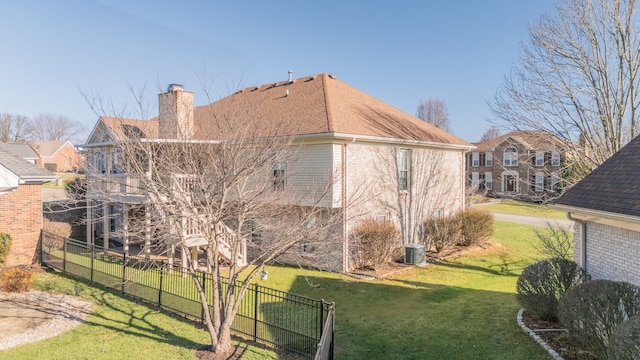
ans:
(593, 215)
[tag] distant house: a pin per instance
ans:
(410, 169)
(23, 151)
(21, 205)
(57, 156)
(605, 206)
(525, 164)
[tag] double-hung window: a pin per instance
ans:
(510, 157)
(539, 158)
(279, 168)
(475, 159)
(539, 182)
(404, 164)
(555, 158)
(488, 161)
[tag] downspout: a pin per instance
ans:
(583, 240)
(345, 238)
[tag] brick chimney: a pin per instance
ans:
(175, 113)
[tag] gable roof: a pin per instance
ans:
(48, 148)
(319, 104)
(24, 169)
(612, 187)
(23, 151)
(530, 139)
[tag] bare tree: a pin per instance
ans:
(491, 133)
(13, 128)
(53, 127)
(219, 189)
(435, 112)
(577, 78)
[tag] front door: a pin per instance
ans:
(511, 183)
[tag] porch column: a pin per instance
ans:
(147, 231)
(90, 240)
(125, 228)
(106, 228)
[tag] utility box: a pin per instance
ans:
(414, 254)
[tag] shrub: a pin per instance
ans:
(373, 243)
(60, 230)
(475, 225)
(442, 232)
(624, 342)
(555, 242)
(16, 279)
(5, 246)
(541, 285)
(77, 188)
(592, 310)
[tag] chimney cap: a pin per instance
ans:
(175, 87)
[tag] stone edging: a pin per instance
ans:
(537, 338)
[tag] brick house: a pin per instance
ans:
(522, 164)
(21, 206)
(57, 156)
(409, 169)
(605, 206)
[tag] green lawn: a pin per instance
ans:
(459, 309)
(65, 177)
(522, 208)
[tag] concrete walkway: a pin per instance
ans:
(534, 220)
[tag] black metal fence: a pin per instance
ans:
(280, 319)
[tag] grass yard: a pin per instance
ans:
(522, 208)
(65, 177)
(459, 309)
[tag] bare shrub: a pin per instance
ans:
(555, 242)
(541, 285)
(592, 310)
(442, 232)
(475, 225)
(60, 230)
(16, 279)
(624, 342)
(5, 246)
(374, 243)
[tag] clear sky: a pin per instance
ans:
(398, 51)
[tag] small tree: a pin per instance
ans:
(374, 243)
(555, 242)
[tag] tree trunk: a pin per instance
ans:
(223, 346)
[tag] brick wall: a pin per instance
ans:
(21, 217)
(612, 253)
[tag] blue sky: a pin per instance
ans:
(400, 51)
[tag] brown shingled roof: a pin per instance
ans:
(532, 139)
(316, 104)
(612, 187)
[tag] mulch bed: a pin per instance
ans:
(559, 341)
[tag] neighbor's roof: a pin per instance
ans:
(24, 169)
(318, 104)
(47, 148)
(23, 151)
(531, 139)
(612, 187)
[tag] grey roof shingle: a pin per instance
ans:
(612, 187)
(23, 168)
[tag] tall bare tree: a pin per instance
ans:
(435, 112)
(13, 128)
(220, 189)
(491, 133)
(577, 78)
(53, 127)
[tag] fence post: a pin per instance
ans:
(93, 256)
(204, 290)
(41, 247)
(160, 287)
(255, 312)
(64, 255)
(321, 317)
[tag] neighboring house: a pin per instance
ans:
(57, 156)
(605, 206)
(409, 169)
(21, 205)
(524, 164)
(23, 151)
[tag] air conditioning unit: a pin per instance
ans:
(414, 254)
